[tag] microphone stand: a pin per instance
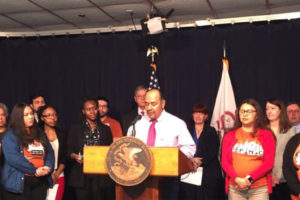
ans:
(137, 118)
(133, 132)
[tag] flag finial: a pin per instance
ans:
(152, 51)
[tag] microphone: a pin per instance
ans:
(137, 118)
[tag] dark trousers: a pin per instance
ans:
(169, 187)
(193, 192)
(34, 189)
(1, 191)
(280, 192)
(92, 191)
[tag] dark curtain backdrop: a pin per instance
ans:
(264, 62)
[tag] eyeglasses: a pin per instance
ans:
(103, 106)
(250, 112)
(140, 96)
(293, 111)
(50, 115)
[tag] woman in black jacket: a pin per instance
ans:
(90, 132)
(206, 156)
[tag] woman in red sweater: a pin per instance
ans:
(248, 155)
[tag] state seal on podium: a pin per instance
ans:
(128, 161)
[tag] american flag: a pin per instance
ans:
(153, 84)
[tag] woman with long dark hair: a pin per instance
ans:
(48, 122)
(248, 155)
(291, 166)
(277, 121)
(28, 157)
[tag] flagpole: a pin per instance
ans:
(224, 49)
(224, 110)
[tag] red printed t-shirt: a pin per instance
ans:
(35, 153)
(247, 155)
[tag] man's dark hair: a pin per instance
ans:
(34, 96)
(159, 92)
(103, 99)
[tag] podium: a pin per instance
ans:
(167, 162)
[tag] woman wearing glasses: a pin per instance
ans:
(277, 121)
(48, 122)
(28, 157)
(248, 155)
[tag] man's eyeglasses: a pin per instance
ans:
(250, 112)
(140, 96)
(293, 111)
(103, 106)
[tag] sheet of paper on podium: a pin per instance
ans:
(194, 178)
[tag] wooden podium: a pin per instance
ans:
(167, 162)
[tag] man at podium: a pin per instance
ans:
(163, 130)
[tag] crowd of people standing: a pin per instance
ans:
(260, 156)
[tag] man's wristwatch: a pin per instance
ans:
(250, 179)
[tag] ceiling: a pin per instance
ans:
(54, 15)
